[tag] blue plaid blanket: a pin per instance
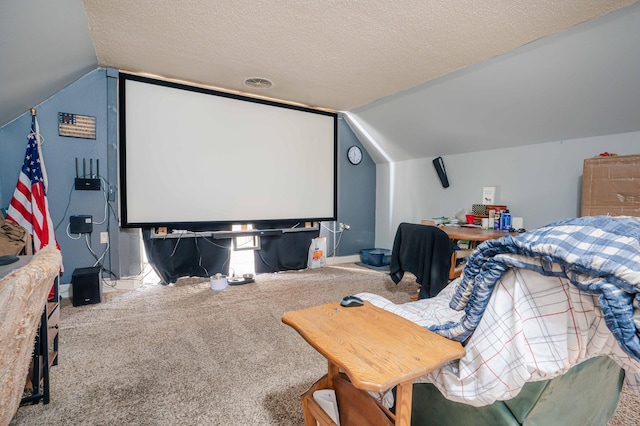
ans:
(598, 254)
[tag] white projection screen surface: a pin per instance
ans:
(192, 156)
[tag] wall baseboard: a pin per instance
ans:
(107, 286)
(130, 284)
(335, 260)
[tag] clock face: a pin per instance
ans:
(355, 155)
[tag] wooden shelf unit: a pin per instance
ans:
(45, 348)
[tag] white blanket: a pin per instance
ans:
(534, 328)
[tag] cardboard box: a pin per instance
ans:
(611, 185)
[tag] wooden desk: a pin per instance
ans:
(375, 348)
(473, 235)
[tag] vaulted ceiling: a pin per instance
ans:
(418, 78)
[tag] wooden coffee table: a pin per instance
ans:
(375, 348)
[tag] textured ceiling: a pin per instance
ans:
(330, 54)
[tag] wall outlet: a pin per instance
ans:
(104, 238)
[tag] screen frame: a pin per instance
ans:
(214, 224)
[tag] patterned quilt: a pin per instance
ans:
(531, 307)
(598, 254)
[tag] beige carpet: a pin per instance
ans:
(182, 354)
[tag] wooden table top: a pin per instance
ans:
(473, 234)
(375, 348)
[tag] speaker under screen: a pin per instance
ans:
(190, 155)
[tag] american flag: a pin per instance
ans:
(29, 207)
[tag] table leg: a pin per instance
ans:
(404, 395)
(309, 420)
(332, 370)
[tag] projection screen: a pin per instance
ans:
(194, 157)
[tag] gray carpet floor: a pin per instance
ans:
(183, 354)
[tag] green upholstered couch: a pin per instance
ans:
(587, 394)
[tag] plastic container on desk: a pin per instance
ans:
(505, 221)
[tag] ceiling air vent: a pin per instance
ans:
(258, 83)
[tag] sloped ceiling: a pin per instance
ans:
(44, 47)
(579, 83)
(419, 78)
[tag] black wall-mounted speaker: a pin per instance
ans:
(85, 286)
(438, 163)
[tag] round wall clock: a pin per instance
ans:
(354, 154)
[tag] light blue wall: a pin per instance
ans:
(541, 183)
(87, 96)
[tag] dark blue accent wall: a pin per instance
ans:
(87, 96)
(356, 199)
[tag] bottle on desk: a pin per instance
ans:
(505, 220)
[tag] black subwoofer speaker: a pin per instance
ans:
(85, 286)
